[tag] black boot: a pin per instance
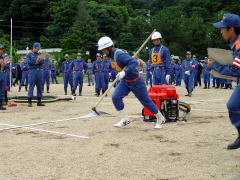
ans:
(19, 88)
(1, 105)
(39, 103)
(190, 93)
(73, 93)
(65, 91)
(26, 88)
(230, 86)
(96, 94)
(29, 102)
(205, 86)
(47, 89)
(213, 84)
(236, 143)
(209, 85)
(218, 85)
(80, 91)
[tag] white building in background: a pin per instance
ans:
(50, 51)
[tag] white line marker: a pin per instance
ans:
(47, 131)
(48, 122)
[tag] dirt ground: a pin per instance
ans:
(179, 151)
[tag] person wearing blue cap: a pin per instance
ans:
(53, 74)
(206, 74)
(230, 31)
(2, 78)
(66, 69)
(149, 73)
(35, 76)
(25, 70)
(98, 74)
(188, 66)
(160, 60)
(130, 81)
(45, 69)
(107, 67)
(79, 67)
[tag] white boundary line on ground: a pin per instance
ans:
(209, 110)
(48, 122)
(47, 131)
(205, 100)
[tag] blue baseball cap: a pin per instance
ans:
(188, 53)
(98, 55)
(228, 20)
(1, 46)
(66, 55)
(78, 54)
(37, 45)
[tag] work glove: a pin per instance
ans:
(121, 75)
(168, 78)
(187, 73)
(140, 72)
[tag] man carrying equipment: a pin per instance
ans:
(230, 30)
(130, 81)
(79, 67)
(35, 76)
(160, 60)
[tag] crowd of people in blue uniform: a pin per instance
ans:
(161, 68)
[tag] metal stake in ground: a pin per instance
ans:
(110, 87)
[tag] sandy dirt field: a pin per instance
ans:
(178, 151)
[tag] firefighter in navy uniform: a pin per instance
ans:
(35, 76)
(160, 60)
(130, 81)
(230, 30)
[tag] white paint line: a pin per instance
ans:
(48, 122)
(207, 110)
(47, 131)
